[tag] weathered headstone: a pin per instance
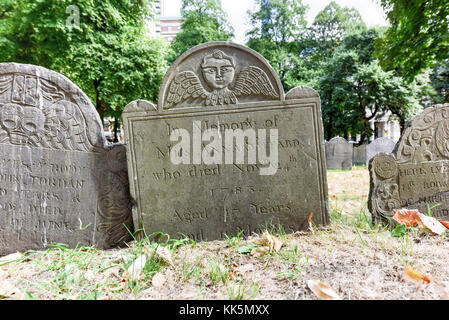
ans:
(339, 154)
(379, 145)
(416, 174)
(185, 175)
(359, 155)
(58, 181)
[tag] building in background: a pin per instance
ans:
(166, 22)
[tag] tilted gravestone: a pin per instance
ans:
(359, 155)
(416, 174)
(379, 145)
(225, 150)
(339, 154)
(58, 181)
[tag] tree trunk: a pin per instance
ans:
(99, 103)
(115, 129)
(329, 128)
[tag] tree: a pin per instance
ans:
(355, 89)
(204, 21)
(418, 36)
(330, 26)
(440, 81)
(103, 49)
(277, 27)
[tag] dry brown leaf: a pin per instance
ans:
(259, 251)
(412, 218)
(322, 290)
(164, 254)
(158, 280)
(412, 274)
(134, 271)
(310, 222)
(433, 225)
(409, 218)
(444, 223)
(273, 243)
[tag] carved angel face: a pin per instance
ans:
(218, 70)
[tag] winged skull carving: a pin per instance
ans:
(218, 70)
(52, 122)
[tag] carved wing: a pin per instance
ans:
(50, 92)
(186, 85)
(5, 84)
(253, 80)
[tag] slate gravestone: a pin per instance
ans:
(217, 90)
(379, 145)
(416, 174)
(339, 154)
(58, 181)
(359, 155)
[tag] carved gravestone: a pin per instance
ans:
(379, 145)
(339, 154)
(58, 181)
(359, 155)
(189, 172)
(416, 174)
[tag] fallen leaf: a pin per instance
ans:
(409, 218)
(259, 251)
(432, 224)
(273, 243)
(444, 223)
(158, 280)
(134, 271)
(310, 222)
(413, 218)
(412, 274)
(322, 290)
(164, 254)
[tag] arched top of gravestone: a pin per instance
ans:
(384, 141)
(426, 138)
(220, 74)
(40, 108)
(338, 140)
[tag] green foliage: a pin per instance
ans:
(418, 36)
(204, 21)
(399, 231)
(277, 27)
(440, 81)
(330, 27)
(355, 89)
(107, 53)
(247, 249)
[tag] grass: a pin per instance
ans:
(357, 259)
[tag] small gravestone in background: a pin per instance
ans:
(416, 174)
(58, 181)
(379, 145)
(339, 154)
(359, 155)
(212, 90)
